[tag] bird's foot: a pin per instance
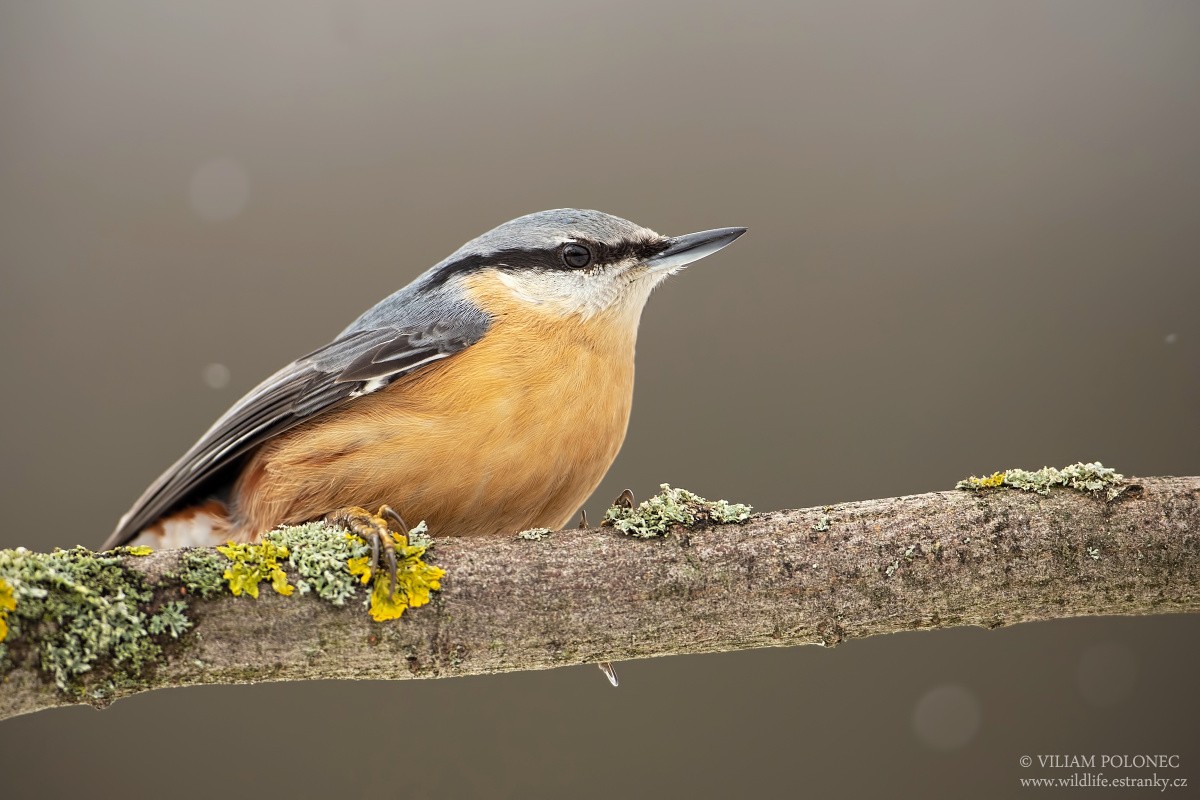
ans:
(377, 531)
(624, 500)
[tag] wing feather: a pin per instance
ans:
(355, 364)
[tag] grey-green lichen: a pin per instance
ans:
(201, 572)
(1091, 478)
(669, 507)
(535, 534)
(418, 536)
(321, 554)
(88, 609)
(170, 620)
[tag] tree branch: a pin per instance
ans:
(814, 576)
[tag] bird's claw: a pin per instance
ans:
(390, 513)
(625, 500)
(375, 530)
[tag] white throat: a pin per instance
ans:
(581, 292)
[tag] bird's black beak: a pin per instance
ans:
(683, 250)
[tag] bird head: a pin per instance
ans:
(572, 261)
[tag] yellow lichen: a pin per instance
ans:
(8, 602)
(415, 580)
(252, 564)
(360, 568)
(139, 550)
(990, 482)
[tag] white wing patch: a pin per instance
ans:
(373, 385)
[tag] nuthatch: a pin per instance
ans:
(489, 395)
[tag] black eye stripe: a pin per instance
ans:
(624, 250)
(516, 259)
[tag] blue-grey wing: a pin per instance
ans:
(360, 361)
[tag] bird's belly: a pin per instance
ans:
(510, 462)
(472, 448)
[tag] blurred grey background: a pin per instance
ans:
(974, 238)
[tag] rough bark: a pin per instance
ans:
(813, 576)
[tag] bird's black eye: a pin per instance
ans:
(576, 256)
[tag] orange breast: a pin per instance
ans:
(512, 433)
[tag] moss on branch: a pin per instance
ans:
(664, 578)
(95, 625)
